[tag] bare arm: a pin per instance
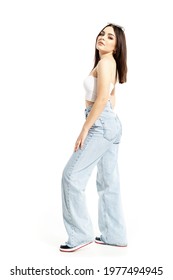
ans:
(104, 72)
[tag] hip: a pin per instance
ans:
(108, 124)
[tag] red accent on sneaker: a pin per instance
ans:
(73, 249)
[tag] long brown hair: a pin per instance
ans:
(120, 55)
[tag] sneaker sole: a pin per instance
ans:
(75, 248)
(103, 243)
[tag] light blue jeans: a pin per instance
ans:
(101, 149)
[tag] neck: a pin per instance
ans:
(102, 55)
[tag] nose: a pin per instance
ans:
(102, 37)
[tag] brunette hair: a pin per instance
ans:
(120, 54)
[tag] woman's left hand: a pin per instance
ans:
(80, 140)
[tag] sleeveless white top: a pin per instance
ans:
(90, 86)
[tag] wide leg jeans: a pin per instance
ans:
(100, 148)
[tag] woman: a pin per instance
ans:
(97, 144)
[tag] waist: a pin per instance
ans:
(107, 109)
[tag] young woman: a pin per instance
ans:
(97, 144)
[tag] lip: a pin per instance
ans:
(101, 43)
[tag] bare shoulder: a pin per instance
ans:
(106, 64)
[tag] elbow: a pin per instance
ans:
(102, 100)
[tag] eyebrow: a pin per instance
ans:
(111, 34)
(108, 33)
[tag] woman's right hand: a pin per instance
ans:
(81, 139)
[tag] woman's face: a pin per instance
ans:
(106, 40)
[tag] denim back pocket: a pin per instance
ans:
(112, 129)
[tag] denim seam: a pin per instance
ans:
(104, 206)
(106, 225)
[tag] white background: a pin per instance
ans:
(46, 50)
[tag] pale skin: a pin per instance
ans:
(105, 73)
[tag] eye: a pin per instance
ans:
(111, 38)
(101, 33)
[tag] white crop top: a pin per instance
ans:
(90, 86)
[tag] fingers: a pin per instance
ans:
(77, 145)
(80, 140)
